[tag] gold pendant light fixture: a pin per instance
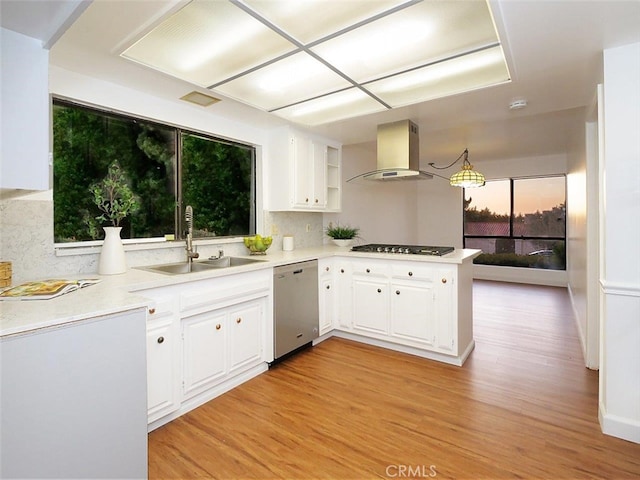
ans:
(465, 178)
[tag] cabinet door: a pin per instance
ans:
(412, 312)
(326, 296)
(319, 175)
(245, 335)
(344, 297)
(301, 158)
(204, 351)
(162, 381)
(446, 322)
(370, 305)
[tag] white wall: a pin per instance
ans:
(619, 409)
(27, 221)
(384, 211)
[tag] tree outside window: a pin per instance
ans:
(216, 177)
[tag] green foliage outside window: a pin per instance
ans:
(217, 177)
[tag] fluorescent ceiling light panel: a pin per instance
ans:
(311, 20)
(459, 75)
(410, 38)
(207, 42)
(337, 106)
(293, 79)
(297, 58)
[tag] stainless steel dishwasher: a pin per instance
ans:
(295, 306)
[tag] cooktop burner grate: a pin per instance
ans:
(403, 249)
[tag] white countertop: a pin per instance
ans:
(117, 293)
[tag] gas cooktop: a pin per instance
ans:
(402, 249)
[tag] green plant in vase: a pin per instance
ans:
(115, 199)
(342, 235)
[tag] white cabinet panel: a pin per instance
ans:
(245, 335)
(24, 76)
(412, 312)
(370, 305)
(204, 351)
(297, 172)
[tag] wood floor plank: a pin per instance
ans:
(522, 406)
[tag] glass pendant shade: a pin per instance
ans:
(467, 177)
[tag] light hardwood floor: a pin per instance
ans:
(522, 406)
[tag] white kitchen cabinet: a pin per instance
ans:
(205, 337)
(343, 298)
(244, 332)
(205, 352)
(326, 295)
(74, 400)
(413, 312)
(371, 304)
(163, 353)
(24, 159)
(299, 169)
(406, 303)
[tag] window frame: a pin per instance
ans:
(178, 132)
(512, 216)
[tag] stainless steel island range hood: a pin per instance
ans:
(398, 154)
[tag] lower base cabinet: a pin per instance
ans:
(202, 336)
(219, 343)
(426, 306)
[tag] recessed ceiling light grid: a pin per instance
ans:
(317, 61)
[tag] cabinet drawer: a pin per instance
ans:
(412, 271)
(370, 268)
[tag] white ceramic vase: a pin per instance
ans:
(112, 259)
(342, 243)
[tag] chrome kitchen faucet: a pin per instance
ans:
(188, 216)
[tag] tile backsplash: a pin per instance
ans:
(26, 240)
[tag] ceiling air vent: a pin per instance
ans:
(201, 99)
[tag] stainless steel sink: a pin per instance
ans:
(224, 262)
(201, 266)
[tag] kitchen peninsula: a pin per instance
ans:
(420, 305)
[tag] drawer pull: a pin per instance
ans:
(368, 271)
(218, 326)
(326, 268)
(328, 287)
(397, 292)
(160, 339)
(239, 320)
(379, 290)
(444, 280)
(342, 270)
(152, 311)
(316, 200)
(411, 274)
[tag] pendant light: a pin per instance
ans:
(465, 178)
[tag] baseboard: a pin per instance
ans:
(619, 427)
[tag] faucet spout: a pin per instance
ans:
(188, 216)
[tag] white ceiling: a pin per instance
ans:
(553, 48)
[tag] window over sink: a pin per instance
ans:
(168, 168)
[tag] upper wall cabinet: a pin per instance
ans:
(303, 173)
(24, 163)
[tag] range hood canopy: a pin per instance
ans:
(398, 154)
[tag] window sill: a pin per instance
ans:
(94, 247)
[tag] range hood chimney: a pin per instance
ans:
(398, 154)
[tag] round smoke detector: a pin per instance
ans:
(517, 104)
